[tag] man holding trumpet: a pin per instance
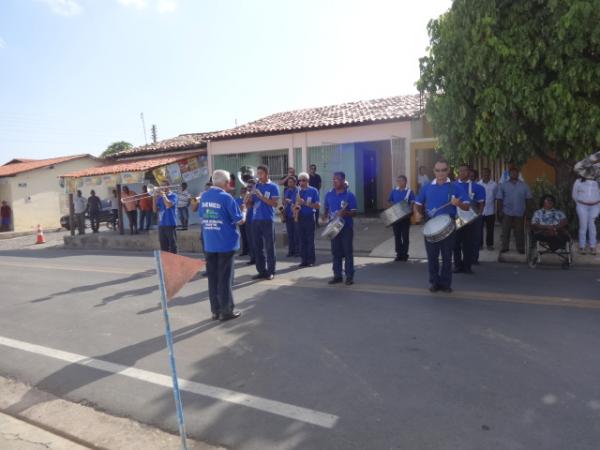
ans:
(164, 202)
(308, 203)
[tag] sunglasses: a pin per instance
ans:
(303, 180)
(440, 170)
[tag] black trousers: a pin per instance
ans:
(244, 239)
(167, 237)
(401, 234)
(463, 247)
(95, 220)
(488, 224)
(219, 268)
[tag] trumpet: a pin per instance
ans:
(151, 191)
(296, 207)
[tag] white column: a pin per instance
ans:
(209, 158)
(291, 162)
(304, 155)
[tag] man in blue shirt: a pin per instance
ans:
(309, 203)
(264, 199)
(249, 219)
(340, 202)
(467, 237)
(401, 227)
(441, 196)
(243, 235)
(289, 199)
(220, 216)
(165, 202)
(513, 196)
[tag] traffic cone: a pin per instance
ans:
(40, 236)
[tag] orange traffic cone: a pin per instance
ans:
(40, 236)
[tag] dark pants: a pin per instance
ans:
(553, 242)
(306, 231)
(184, 216)
(132, 216)
(244, 239)
(445, 247)
(263, 233)
(477, 237)
(95, 220)
(115, 217)
(518, 223)
(341, 249)
(488, 223)
(293, 237)
(168, 239)
(80, 222)
(401, 233)
(463, 246)
(316, 218)
(145, 220)
(250, 237)
(219, 268)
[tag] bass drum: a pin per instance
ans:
(333, 228)
(438, 228)
(394, 213)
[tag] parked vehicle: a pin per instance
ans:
(106, 217)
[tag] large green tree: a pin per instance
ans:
(116, 147)
(514, 80)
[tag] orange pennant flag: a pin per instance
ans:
(177, 271)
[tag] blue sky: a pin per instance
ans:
(76, 74)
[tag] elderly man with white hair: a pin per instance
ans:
(309, 203)
(220, 216)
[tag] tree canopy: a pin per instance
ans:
(116, 147)
(515, 79)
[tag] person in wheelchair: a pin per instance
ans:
(549, 225)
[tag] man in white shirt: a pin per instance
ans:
(422, 178)
(489, 209)
(79, 208)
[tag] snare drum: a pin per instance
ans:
(333, 228)
(438, 228)
(464, 218)
(394, 213)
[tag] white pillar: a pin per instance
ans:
(209, 158)
(291, 162)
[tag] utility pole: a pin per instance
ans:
(153, 131)
(144, 127)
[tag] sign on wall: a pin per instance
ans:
(132, 177)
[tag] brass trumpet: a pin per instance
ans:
(151, 191)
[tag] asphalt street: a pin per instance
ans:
(510, 360)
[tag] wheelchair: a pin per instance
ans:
(536, 249)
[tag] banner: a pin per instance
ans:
(174, 173)
(189, 168)
(160, 175)
(109, 180)
(132, 177)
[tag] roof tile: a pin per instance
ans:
(15, 167)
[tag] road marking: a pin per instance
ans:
(293, 412)
(72, 268)
(456, 295)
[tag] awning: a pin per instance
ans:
(138, 165)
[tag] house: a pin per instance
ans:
(372, 141)
(33, 189)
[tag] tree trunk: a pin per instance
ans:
(565, 177)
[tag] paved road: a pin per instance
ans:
(508, 361)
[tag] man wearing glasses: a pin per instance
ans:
(441, 196)
(309, 203)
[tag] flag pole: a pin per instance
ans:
(169, 338)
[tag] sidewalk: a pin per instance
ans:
(31, 419)
(16, 434)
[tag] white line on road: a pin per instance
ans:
(239, 398)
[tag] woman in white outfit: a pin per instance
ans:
(586, 194)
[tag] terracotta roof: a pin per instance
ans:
(182, 142)
(137, 165)
(404, 107)
(17, 166)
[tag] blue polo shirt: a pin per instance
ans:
(434, 195)
(333, 203)
(397, 195)
(262, 211)
(309, 195)
(474, 191)
(167, 216)
(289, 194)
(220, 214)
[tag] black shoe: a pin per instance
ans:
(504, 250)
(349, 281)
(215, 316)
(249, 263)
(289, 255)
(458, 270)
(231, 315)
(303, 265)
(476, 263)
(490, 247)
(204, 274)
(434, 288)
(447, 290)
(469, 271)
(259, 276)
(398, 258)
(269, 276)
(335, 280)
(521, 252)
(243, 254)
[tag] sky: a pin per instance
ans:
(75, 75)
